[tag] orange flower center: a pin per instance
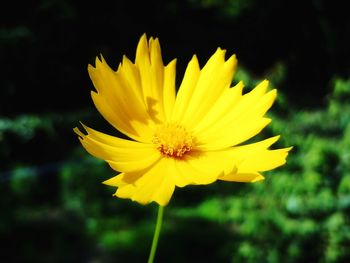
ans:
(172, 140)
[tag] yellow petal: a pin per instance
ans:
(169, 89)
(186, 89)
(122, 155)
(109, 139)
(123, 179)
(126, 191)
(154, 184)
(234, 134)
(142, 52)
(205, 167)
(179, 179)
(128, 74)
(151, 69)
(240, 107)
(242, 177)
(249, 149)
(264, 160)
(254, 158)
(239, 124)
(116, 181)
(114, 97)
(137, 164)
(227, 100)
(194, 173)
(164, 191)
(215, 77)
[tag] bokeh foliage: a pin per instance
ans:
(53, 205)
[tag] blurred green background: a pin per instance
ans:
(55, 209)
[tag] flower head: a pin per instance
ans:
(192, 137)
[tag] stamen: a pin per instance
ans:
(172, 140)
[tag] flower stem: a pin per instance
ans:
(156, 234)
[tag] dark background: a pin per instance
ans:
(46, 45)
(53, 206)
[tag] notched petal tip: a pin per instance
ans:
(154, 41)
(232, 59)
(219, 49)
(220, 53)
(99, 60)
(78, 132)
(81, 132)
(90, 68)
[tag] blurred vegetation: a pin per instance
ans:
(53, 205)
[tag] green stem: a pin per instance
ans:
(156, 234)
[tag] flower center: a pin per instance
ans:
(172, 140)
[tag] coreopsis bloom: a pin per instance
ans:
(192, 137)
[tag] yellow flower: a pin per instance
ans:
(192, 137)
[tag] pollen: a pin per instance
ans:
(173, 140)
